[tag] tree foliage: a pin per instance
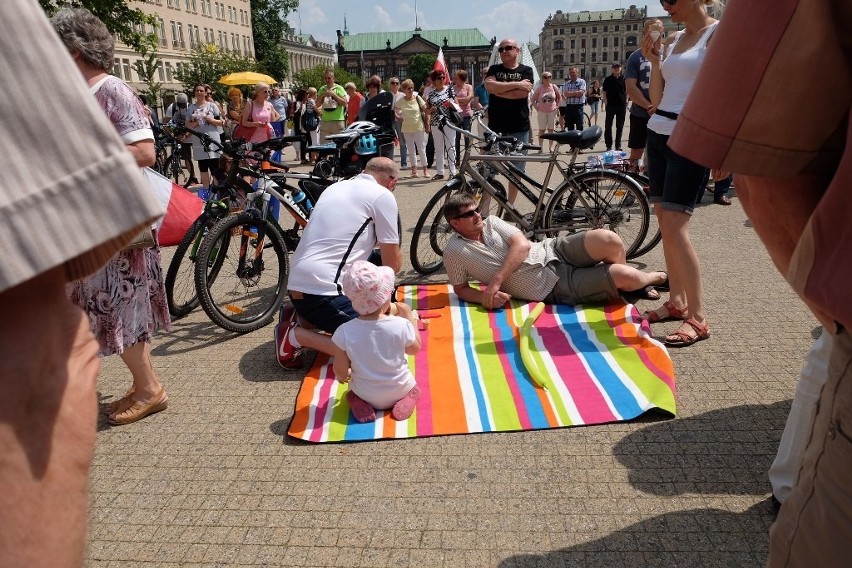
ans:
(147, 69)
(269, 20)
(419, 67)
(120, 17)
(207, 64)
(315, 77)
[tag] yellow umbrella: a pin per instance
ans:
(246, 78)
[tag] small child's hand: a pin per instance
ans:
(347, 378)
(403, 310)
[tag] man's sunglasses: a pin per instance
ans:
(511, 47)
(669, 2)
(469, 214)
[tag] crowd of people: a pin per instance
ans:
(94, 294)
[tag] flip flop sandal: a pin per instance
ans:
(674, 313)
(681, 338)
(647, 293)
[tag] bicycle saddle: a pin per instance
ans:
(584, 139)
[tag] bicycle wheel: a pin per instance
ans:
(652, 238)
(240, 278)
(599, 199)
(179, 169)
(180, 277)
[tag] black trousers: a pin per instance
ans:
(618, 113)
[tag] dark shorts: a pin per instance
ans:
(582, 280)
(208, 165)
(676, 182)
(638, 138)
(325, 312)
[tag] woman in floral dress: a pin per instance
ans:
(126, 299)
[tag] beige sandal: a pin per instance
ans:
(119, 404)
(140, 409)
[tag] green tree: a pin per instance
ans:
(120, 18)
(147, 70)
(269, 20)
(419, 67)
(315, 77)
(207, 64)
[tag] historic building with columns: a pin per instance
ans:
(305, 52)
(181, 26)
(386, 54)
(591, 40)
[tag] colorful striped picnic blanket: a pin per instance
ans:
(602, 366)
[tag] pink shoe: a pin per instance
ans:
(405, 406)
(362, 411)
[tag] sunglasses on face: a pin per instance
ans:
(669, 2)
(394, 83)
(468, 214)
(509, 47)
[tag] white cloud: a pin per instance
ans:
(513, 19)
(381, 19)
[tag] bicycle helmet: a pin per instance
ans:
(360, 126)
(366, 145)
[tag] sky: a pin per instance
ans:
(519, 19)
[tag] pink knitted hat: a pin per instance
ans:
(367, 286)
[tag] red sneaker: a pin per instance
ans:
(288, 356)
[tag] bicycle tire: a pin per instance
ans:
(248, 300)
(179, 169)
(615, 202)
(181, 294)
(653, 236)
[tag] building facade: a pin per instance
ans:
(305, 52)
(386, 54)
(181, 26)
(590, 40)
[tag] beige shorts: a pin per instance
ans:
(547, 120)
(330, 127)
(582, 280)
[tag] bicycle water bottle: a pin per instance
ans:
(300, 196)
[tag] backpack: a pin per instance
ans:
(310, 120)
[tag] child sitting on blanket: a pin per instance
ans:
(375, 345)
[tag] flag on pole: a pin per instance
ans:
(363, 67)
(440, 64)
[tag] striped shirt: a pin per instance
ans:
(578, 85)
(468, 260)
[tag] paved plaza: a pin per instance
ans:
(215, 481)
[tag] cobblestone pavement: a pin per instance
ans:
(215, 481)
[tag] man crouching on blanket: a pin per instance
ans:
(586, 267)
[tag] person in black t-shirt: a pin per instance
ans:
(509, 84)
(615, 100)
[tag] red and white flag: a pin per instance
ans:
(440, 64)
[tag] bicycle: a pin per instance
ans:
(586, 198)
(173, 156)
(182, 291)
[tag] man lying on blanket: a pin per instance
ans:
(586, 267)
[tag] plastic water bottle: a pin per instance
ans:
(608, 157)
(593, 162)
(300, 196)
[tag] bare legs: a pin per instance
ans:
(48, 408)
(607, 247)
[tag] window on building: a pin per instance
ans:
(557, 59)
(572, 31)
(160, 73)
(594, 72)
(181, 43)
(402, 72)
(204, 9)
(197, 36)
(209, 7)
(235, 42)
(583, 30)
(606, 29)
(605, 42)
(594, 29)
(116, 67)
(573, 44)
(615, 42)
(594, 42)
(558, 44)
(616, 27)
(594, 56)
(583, 43)
(380, 71)
(162, 31)
(169, 72)
(631, 41)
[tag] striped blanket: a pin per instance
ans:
(601, 366)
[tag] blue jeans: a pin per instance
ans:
(326, 312)
(521, 137)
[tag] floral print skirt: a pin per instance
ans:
(125, 300)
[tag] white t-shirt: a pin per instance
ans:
(376, 351)
(357, 212)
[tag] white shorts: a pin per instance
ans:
(547, 120)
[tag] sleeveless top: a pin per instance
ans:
(260, 114)
(679, 70)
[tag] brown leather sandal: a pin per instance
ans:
(119, 404)
(674, 313)
(681, 338)
(140, 409)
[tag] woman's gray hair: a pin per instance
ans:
(84, 33)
